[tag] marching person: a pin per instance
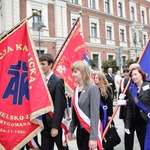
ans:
(128, 138)
(52, 131)
(106, 99)
(85, 113)
(138, 107)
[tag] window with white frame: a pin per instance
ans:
(120, 9)
(75, 1)
(109, 32)
(132, 14)
(92, 4)
(94, 30)
(96, 60)
(36, 19)
(144, 39)
(107, 6)
(133, 11)
(122, 35)
(110, 56)
(73, 18)
(123, 61)
(143, 15)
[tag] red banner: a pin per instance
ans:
(73, 50)
(24, 96)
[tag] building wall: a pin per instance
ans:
(57, 17)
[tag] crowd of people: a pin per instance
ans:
(90, 108)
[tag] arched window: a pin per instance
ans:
(120, 9)
(143, 16)
(107, 6)
(132, 14)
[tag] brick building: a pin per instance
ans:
(108, 25)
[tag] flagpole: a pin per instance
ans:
(114, 113)
(80, 14)
(34, 13)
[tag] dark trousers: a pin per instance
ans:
(129, 138)
(47, 141)
(82, 138)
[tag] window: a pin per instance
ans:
(92, 4)
(143, 17)
(144, 40)
(73, 21)
(132, 14)
(122, 36)
(95, 58)
(110, 57)
(120, 13)
(109, 32)
(93, 29)
(107, 6)
(40, 52)
(75, 1)
(123, 61)
(37, 19)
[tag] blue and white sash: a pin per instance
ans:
(105, 119)
(142, 107)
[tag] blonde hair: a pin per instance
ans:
(84, 69)
(103, 83)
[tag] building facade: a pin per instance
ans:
(112, 29)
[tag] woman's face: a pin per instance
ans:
(136, 76)
(77, 75)
(96, 79)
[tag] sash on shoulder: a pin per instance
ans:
(142, 107)
(85, 120)
(105, 119)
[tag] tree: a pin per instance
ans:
(129, 62)
(110, 64)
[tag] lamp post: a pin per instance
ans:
(137, 36)
(40, 26)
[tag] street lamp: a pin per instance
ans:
(137, 36)
(38, 24)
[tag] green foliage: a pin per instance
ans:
(110, 64)
(92, 62)
(129, 62)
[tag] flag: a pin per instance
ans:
(24, 96)
(73, 49)
(144, 60)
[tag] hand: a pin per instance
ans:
(70, 136)
(54, 132)
(122, 96)
(92, 145)
(121, 102)
(127, 131)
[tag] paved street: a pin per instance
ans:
(120, 126)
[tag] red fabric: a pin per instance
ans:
(24, 95)
(75, 49)
(86, 125)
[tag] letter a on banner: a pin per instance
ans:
(24, 96)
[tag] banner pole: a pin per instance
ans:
(34, 13)
(80, 14)
(114, 113)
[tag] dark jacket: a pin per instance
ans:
(144, 97)
(57, 91)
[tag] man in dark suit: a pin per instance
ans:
(52, 131)
(110, 78)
